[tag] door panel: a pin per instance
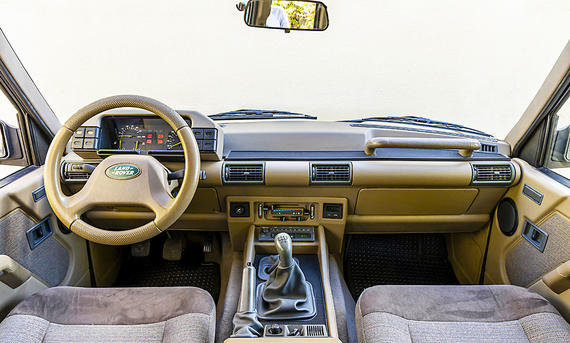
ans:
(513, 259)
(60, 259)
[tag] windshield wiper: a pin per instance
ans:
(259, 114)
(421, 121)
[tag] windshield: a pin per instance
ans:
(477, 64)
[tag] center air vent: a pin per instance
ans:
(493, 173)
(243, 173)
(331, 173)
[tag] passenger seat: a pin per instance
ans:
(422, 314)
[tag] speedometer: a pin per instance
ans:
(130, 137)
(173, 142)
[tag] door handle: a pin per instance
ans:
(12, 273)
(558, 280)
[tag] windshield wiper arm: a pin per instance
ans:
(421, 121)
(259, 114)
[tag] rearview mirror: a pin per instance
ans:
(287, 15)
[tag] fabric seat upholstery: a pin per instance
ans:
(422, 314)
(142, 315)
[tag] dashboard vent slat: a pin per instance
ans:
(340, 173)
(243, 173)
(485, 147)
(492, 173)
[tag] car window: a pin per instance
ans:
(558, 159)
(9, 115)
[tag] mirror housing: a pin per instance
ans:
(302, 15)
(10, 147)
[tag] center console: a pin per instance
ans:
(286, 287)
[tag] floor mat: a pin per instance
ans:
(407, 259)
(153, 271)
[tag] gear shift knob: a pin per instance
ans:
(284, 246)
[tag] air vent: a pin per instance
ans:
(493, 173)
(243, 173)
(486, 147)
(331, 173)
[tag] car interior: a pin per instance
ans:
(135, 222)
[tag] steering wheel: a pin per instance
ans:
(123, 180)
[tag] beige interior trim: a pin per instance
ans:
(414, 201)
(464, 145)
(558, 280)
(12, 273)
(323, 254)
(548, 87)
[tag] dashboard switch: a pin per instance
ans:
(210, 133)
(332, 211)
(209, 145)
(198, 133)
(79, 132)
(239, 209)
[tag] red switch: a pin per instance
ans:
(160, 141)
(148, 141)
(160, 136)
(149, 135)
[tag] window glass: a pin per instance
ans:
(9, 115)
(558, 158)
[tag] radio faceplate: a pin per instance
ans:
(297, 233)
(284, 212)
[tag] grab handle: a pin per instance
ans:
(466, 146)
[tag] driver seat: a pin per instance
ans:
(125, 315)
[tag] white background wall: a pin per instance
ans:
(478, 63)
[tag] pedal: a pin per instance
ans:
(172, 248)
(141, 249)
(207, 244)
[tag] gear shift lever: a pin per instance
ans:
(284, 246)
(286, 294)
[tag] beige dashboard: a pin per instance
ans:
(395, 190)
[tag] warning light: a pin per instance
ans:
(160, 136)
(148, 141)
(149, 135)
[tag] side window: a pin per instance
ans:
(9, 115)
(557, 157)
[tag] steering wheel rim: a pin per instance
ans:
(149, 185)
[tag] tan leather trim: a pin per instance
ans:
(557, 73)
(464, 145)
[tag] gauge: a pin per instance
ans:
(130, 137)
(173, 142)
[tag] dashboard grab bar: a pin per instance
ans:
(466, 146)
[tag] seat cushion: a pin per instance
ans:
(457, 314)
(71, 314)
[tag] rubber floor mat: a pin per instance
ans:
(153, 271)
(407, 259)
